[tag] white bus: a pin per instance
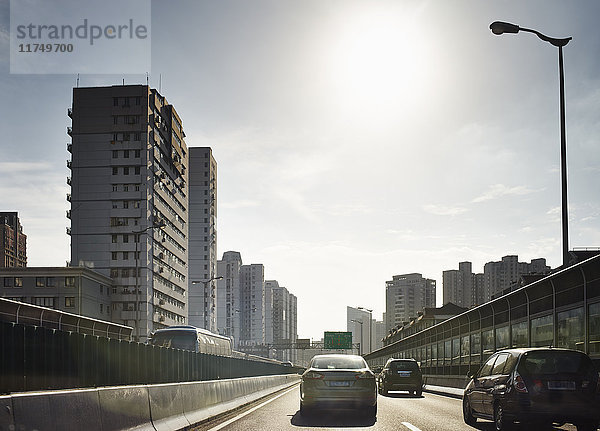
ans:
(192, 338)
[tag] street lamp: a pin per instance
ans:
(370, 326)
(498, 28)
(158, 225)
(361, 334)
(206, 283)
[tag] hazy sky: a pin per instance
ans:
(355, 140)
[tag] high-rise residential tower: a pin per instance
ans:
(252, 290)
(13, 241)
(129, 201)
(462, 287)
(499, 276)
(405, 296)
(202, 252)
(229, 305)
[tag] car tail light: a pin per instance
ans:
(519, 384)
(311, 375)
(364, 375)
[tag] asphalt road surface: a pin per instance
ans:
(397, 411)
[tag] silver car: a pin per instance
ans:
(338, 382)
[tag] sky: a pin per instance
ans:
(355, 139)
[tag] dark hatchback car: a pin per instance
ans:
(539, 386)
(401, 375)
(338, 382)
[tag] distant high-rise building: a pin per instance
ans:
(499, 276)
(252, 289)
(283, 317)
(359, 322)
(462, 287)
(14, 241)
(379, 333)
(202, 240)
(229, 302)
(129, 176)
(405, 296)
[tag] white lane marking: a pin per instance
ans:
(241, 415)
(410, 426)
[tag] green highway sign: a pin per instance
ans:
(337, 340)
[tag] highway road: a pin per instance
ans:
(398, 411)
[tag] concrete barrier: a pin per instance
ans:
(144, 407)
(125, 408)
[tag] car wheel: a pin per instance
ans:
(587, 426)
(411, 392)
(468, 413)
(419, 392)
(304, 411)
(500, 421)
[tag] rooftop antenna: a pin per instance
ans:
(123, 81)
(146, 79)
(78, 80)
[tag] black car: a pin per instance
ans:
(540, 386)
(401, 375)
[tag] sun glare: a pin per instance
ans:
(379, 63)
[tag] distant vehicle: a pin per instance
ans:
(401, 375)
(194, 339)
(534, 385)
(338, 382)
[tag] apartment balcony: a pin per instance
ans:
(69, 147)
(69, 231)
(69, 164)
(70, 112)
(69, 180)
(69, 197)
(70, 131)
(69, 215)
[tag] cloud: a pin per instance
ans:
(15, 167)
(497, 191)
(243, 203)
(444, 210)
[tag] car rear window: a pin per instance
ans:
(404, 366)
(554, 362)
(334, 363)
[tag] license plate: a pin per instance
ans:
(339, 383)
(561, 386)
(404, 373)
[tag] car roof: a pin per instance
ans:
(336, 355)
(522, 350)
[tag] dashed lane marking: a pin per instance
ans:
(410, 426)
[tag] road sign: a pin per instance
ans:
(337, 340)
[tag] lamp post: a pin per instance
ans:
(361, 334)
(137, 233)
(498, 28)
(370, 326)
(206, 283)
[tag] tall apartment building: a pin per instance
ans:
(229, 303)
(128, 175)
(202, 241)
(405, 296)
(14, 241)
(360, 323)
(499, 276)
(284, 319)
(378, 333)
(252, 311)
(462, 287)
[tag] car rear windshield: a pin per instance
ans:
(333, 363)
(175, 340)
(404, 366)
(554, 362)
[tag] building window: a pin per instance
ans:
(50, 282)
(137, 187)
(18, 281)
(115, 154)
(137, 170)
(115, 101)
(137, 152)
(39, 282)
(8, 282)
(69, 281)
(125, 255)
(115, 171)
(69, 301)
(125, 187)
(125, 272)
(114, 273)
(44, 302)
(114, 255)
(115, 188)
(125, 238)
(136, 204)
(126, 170)
(114, 238)
(126, 154)
(101, 308)
(125, 204)
(114, 204)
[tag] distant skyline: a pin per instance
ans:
(355, 140)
